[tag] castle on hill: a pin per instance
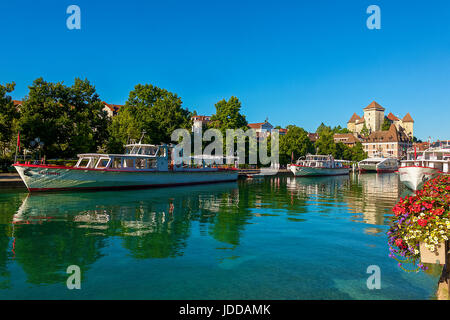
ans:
(373, 119)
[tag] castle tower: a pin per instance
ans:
(351, 124)
(374, 116)
(408, 125)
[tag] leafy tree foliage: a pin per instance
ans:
(325, 145)
(364, 131)
(295, 141)
(68, 120)
(386, 124)
(156, 111)
(327, 129)
(358, 153)
(8, 119)
(228, 115)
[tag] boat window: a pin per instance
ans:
(139, 163)
(117, 163)
(83, 163)
(151, 163)
(102, 163)
(151, 151)
(128, 163)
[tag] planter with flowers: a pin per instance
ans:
(420, 227)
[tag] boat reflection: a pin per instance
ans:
(45, 233)
(369, 196)
(52, 231)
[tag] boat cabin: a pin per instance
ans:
(320, 161)
(136, 157)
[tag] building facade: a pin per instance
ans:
(199, 122)
(349, 139)
(392, 143)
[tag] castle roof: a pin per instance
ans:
(360, 120)
(353, 118)
(392, 135)
(374, 105)
(391, 117)
(407, 118)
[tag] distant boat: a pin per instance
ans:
(319, 165)
(378, 164)
(418, 169)
(142, 166)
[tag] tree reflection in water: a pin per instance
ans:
(53, 231)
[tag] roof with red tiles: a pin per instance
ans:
(348, 138)
(391, 135)
(257, 125)
(201, 118)
(361, 120)
(407, 118)
(392, 117)
(374, 105)
(113, 107)
(353, 118)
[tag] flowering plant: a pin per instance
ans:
(424, 217)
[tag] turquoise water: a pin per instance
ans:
(272, 238)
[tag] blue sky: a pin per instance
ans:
(295, 62)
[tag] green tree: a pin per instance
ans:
(358, 152)
(8, 119)
(228, 115)
(339, 129)
(156, 111)
(323, 128)
(295, 141)
(325, 144)
(386, 124)
(364, 131)
(68, 120)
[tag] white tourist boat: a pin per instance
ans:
(419, 168)
(142, 166)
(319, 165)
(378, 164)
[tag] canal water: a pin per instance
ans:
(271, 238)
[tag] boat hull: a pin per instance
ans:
(415, 177)
(302, 171)
(46, 178)
(380, 167)
(367, 168)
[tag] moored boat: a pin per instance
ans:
(142, 166)
(378, 164)
(417, 169)
(319, 165)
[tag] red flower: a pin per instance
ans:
(422, 222)
(399, 243)
(439, 211)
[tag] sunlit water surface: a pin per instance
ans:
(272, 238)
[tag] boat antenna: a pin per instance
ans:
(143, 134)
